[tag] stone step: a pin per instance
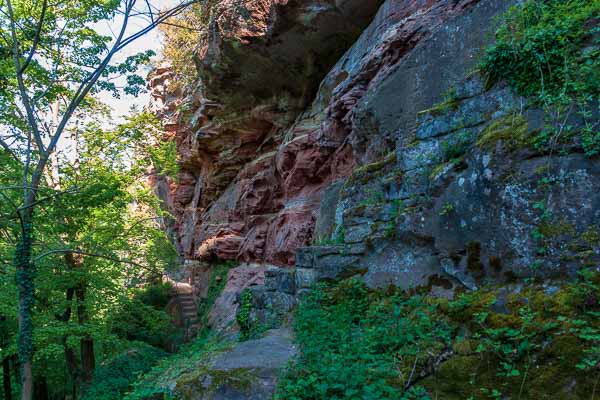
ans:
(189, 315)
(188, 306)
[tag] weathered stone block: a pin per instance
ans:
(305, 278)
(280, 280)
(305, 257)
(359, 233)
(336, 266)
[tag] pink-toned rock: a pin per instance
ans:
(222, 316)
(255, 155)
(225, 246)
(290, 229)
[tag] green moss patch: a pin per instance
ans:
(511, 129)
(218, 280)
(368, 172)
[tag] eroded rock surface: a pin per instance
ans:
(396, 167)
(256, 159)
(222, 315)
(259, 65)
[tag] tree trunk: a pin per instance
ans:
(25, 288)
(6, 378)
(41, 389)
(71, 360)
(88, 359)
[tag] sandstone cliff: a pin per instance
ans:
(333, 123)
(327, 139)
(281, 146)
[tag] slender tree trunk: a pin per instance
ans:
(71, 360)
(25, 288)
(88, 359)
(41, 389)
(6, 379)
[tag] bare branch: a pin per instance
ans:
(23, 91)
(89, 254)
(36, 40)
(150, 10)
(160, 20)
(6, 147)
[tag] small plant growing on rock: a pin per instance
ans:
(250, 328)
(548, 51)
(447, 209)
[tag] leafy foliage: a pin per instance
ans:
(361, 344)
(155, 295)
(136, 321)
(189, 363)
(243, 316)
(114, 378)
(491, 344)
(98, 208)
(548, 50)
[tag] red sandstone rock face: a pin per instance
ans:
(253, 167)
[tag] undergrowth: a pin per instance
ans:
(525, 342)
(549, 51)
(189, 363)
(114, 377)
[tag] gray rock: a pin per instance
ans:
(281, 280)
(305, 278)
(421, 78)
(248, 371)
(326, 218)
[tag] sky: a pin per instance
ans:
(151, 41)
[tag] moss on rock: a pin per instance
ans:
(511, 129)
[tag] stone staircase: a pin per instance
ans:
(186, 302)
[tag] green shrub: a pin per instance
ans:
(114, 378)
(538, 49)
(136, 321)
(549, 51)
(156, 296)
(358, 344)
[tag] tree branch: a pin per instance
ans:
(23, 91)
(36, 40)
(35, 203)
(6, 147)
(88, 83)
(89, 254)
